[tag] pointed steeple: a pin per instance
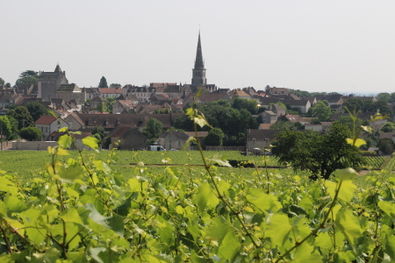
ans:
(199, 64)
(58, 69)
(199, 72)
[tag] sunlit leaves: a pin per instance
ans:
(229, 246)
(264, 202)
(278, 229)
(91, 142)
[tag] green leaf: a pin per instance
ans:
(91, 142)
(206, 198)
(349, 224)
(277, 229)
(264, 202)
(72, 215)
(65, 141)
(357, 143)
(7, 186)
(304, 254)
(229, 247)
(388, 207)
(390, 247)
(217, 229)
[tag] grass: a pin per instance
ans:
(28, 163)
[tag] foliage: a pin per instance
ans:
(283, 124)
(2, 82)
(214, 138)
(386, 146)
(388, 127)
(31, 134)
(248, 104)
(99, 133)
(153, 130)
(321, 154)
(26, 79)
(103, 82)
(220, 114)
(6, 130)
(321, 111)
(21, 115)
(36, 109)
(86, 212)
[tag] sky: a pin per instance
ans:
(346, 46)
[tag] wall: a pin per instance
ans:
(35, 145)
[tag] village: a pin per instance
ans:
(133, 117)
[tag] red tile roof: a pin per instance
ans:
(45, 120)
(110, 90)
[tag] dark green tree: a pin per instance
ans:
(6, 131)
(250, 105)
(99, 133)
(30, 134)
(36, 109)
(386, 146)
(321, 154)
(215, 137)
(26, 79)
(2, 82)
(153, 130)
(103, 83)
(21, 115)
(321, 111)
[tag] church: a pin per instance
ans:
(199, 79)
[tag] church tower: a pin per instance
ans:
(199, 72)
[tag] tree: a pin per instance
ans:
(36, 109)
(98, 132)
(5, 130)
(2, 82)
(321, 111)
(250, 105)
(153, 130)
(103, 83)
(26, 79)
(386, 146)
(31, 134)
(22, 116)
(321, 154)
(215, 137)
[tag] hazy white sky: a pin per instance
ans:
(315, 45)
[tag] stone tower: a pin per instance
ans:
(199, 72)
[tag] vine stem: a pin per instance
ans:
(220, 196)
(315, 231)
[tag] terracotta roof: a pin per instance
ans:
(110, 90)
(45, 120)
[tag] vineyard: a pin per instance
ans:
(83, 207)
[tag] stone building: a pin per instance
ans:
(49, 82)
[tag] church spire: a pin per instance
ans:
(199, 72)
(199, 64)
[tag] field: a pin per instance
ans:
(118, 207)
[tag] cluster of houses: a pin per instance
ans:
(123, 111)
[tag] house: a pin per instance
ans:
(260, 138)
(49, 124)
(124, 106)
(335, 100)
(200, 135)
(74, 122)
(112, 93)
(302, 106)
(69, 92)
(173, 139)
(318, 127)
(268, 117)
(90, 93)
(297, 118)
(274, 91)
(238, 93)
(128, 138)
(142, 94)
